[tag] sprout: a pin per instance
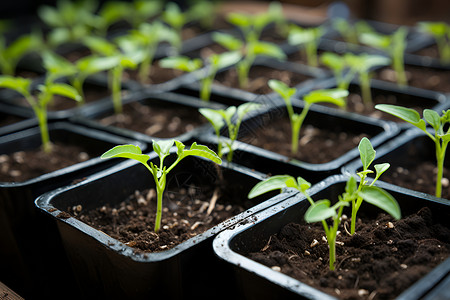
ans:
(308, 39)
(440, 31)
(11, 54)
(159, 172)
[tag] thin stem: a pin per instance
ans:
(41, 114)
(440, 157)
(116, 88)
(364, 81)
(400, 69)
(311, 54)
(145, 67)
(159, 192)
(296, 123)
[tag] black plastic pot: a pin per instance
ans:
(107, 268)
(256, 280)
(28, 241)
(319, 117)
(176, 102)
(408, 96)
(404, 151)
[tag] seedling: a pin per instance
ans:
(308, 41)
(355, 193)
(339, 66)
(213, 63)
(203, 12)
(351, 31)
(334, 96)
(250, 50)
(11, 54)
(361, 66)
(441, 135)
(394, 45)
(225, 117)
(162, 149)
(440, 31)
(44, 96)
(126, 55)
(148, 37)
(70, 21)
(176, 19)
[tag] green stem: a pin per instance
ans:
(440, 157)
(41, 115)
(296, 124)
(364, 81)
(205, 88)
(116, 89)
(399, 68)
(159, 192)
(243, 68)
(78, 85)
(145, 67)
(311, 54)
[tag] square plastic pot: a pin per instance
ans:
(319, 117)
(27, 240)
(171, 101)
(255, 280)
(107, 268)
(408, 96)
(404, 151)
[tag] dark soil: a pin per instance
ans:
(9, 119)
(156, 120)
(419, 176)
(420, 77)
(185, 215)
(157, 74)
(258, 78)
(24, 165)
(380, 261)
(316, 145)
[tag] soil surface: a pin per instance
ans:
(382, 259)
(258, 78)
(276, 137)
(156, 120)
(24, 165)
(187, 212)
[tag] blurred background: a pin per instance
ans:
(405, 12)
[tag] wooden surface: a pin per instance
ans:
(8, 294)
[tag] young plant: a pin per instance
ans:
(69, 21)
(159, 172)
(441, 135)
(361, 66)
(308, 39)
(148, 37)
(339, 66)
(211, 66)
(351, 31)
(11, 54)
(126, 55)
(321, 210)
(176, 19)
(440, 31)
(40, 101)
(334, 96)
(250, 50)
(232, 118)
(394, 44)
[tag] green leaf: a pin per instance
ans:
(333, 61)
(302, 184)
(266, 49)
(320, 211)
(380, 169)
(382, 199)
(281, 88)
(173, 16)
(93, 64)
(228, 58)
(245, 108)
(18, 84)
(334, 96)
(57, 65)
(214, 117)
(228, 41)
(376, 40)
(298, 35)
(432, 118)
(407, 114)
(127, 151)
(202, 151)
(65, 90)
(272, 183)
(162, 147)
(366, 152)
(182, 63)
(350, 186)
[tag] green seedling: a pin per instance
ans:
(40, 101)
(232, 118)
(176, 19)
(250, 50)
(441, 135)
(339, 66)
(159, 172)
(308, 41)
(147, 37)
(123, 55)
(69, 21)
(354, 194)
(211, 65)
(203, 12)
(135, 13)
(11, 54)
(334, 96)
(361, 66)
(440, 31)
(393, 44)
(349, 31)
